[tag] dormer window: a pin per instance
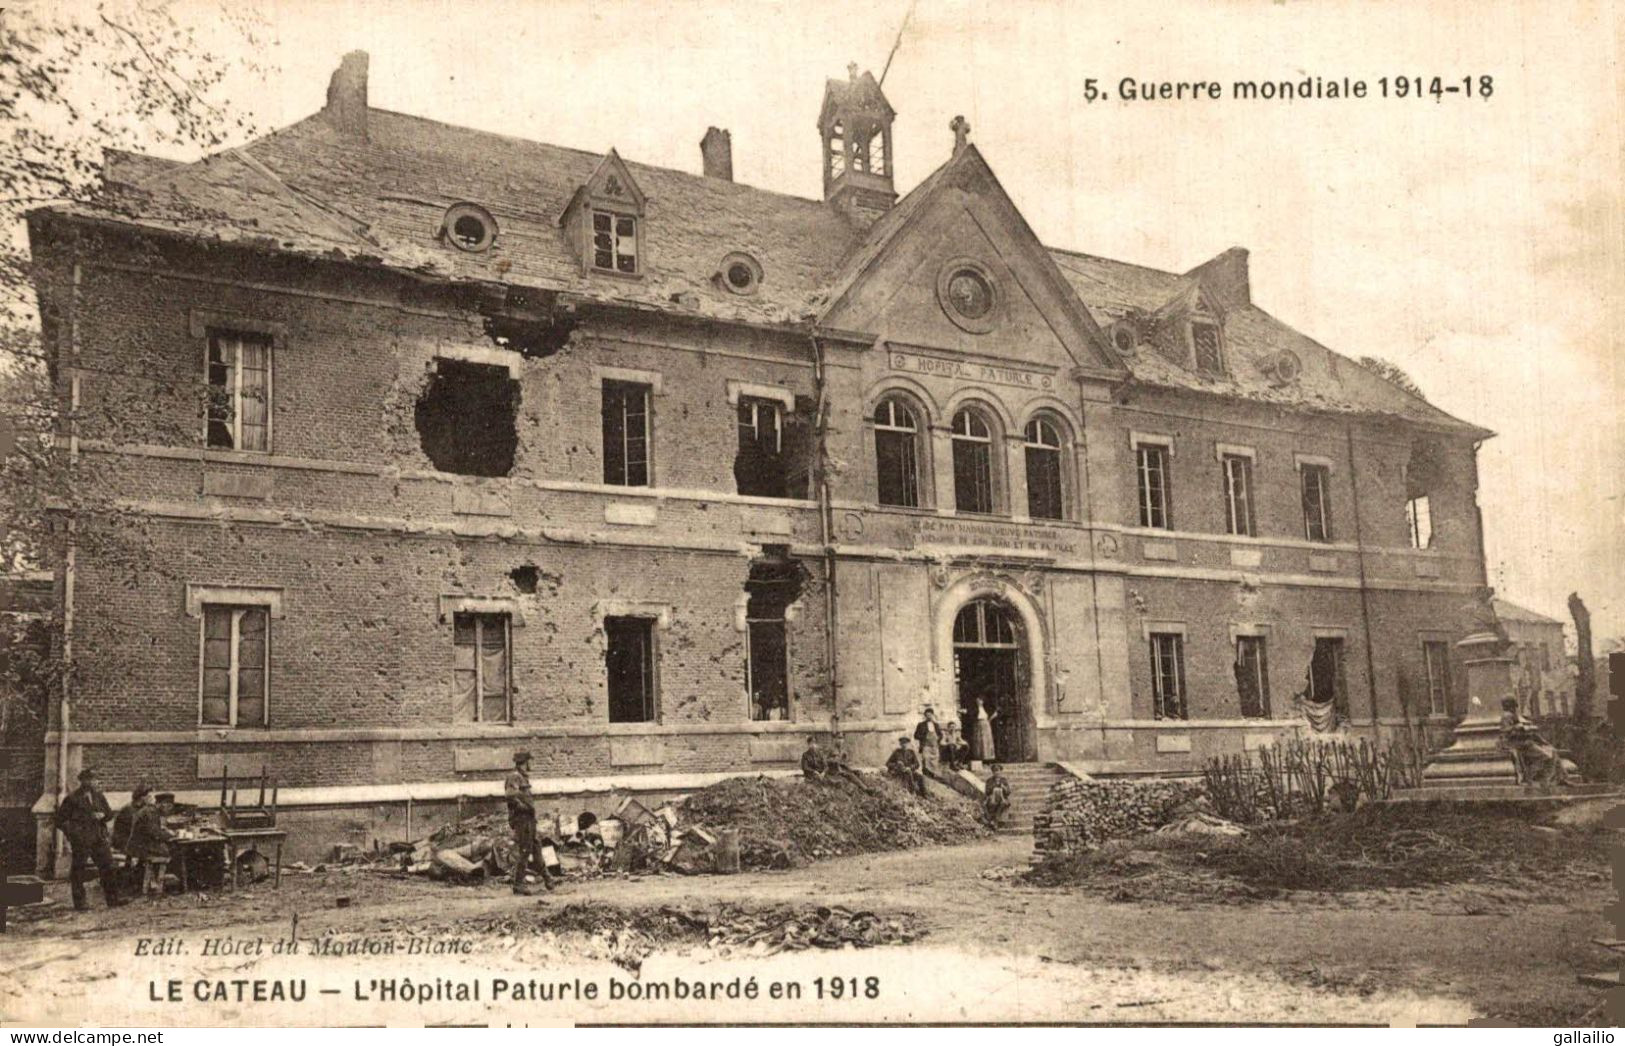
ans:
(469, 227)
(1205, 347)
(615, 242)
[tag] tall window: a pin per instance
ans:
(1043, 469)
(1156, 509)
(1252, 677)
(759, 467)
(973, 463)
(1436, 659)
(615, 242)
(897, 459)
(626, 434)
(239, 391)
(1315, 485)
(481, 678)
(769, 592)
(236, 663)
(1205, 342)
(1419, 521)
(629, 659)
(1327, 681)
(1168, 675)
(1238, 494)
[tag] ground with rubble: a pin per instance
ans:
(980, 944)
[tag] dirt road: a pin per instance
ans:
(995, 951)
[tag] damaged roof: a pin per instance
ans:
(316, 188)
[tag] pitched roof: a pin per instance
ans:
(313, 189)
(1507, 610)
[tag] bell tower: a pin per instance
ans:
(855, 124)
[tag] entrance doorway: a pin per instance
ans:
(991, 679)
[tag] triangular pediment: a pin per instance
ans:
(610, 186)
(956, 268)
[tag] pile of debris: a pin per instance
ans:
(785, 822)
(1080, 815)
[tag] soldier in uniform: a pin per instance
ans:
(522, 819)
(82, 816)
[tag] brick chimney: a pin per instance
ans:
(1225, 277)
(717, 151)
(347, 95)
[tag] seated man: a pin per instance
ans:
(955, 752)
(149, 840)
(814, 764)
(1537, 760)
(996, 795)
(905, 763)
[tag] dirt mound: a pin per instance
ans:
(1376, 847)
(786, 822)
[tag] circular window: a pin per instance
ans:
(967, 294)
(740, 273)
(469, 227)
(1123, 339)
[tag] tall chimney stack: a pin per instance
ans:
(717, 151)
(347, 95)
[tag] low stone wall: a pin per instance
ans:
(1080, 815)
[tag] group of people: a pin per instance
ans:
(138, 831)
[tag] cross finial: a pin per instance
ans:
(961, 128)
(852, 71)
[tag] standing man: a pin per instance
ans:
(149, 841)
(905, 764)
(82, 816)
(522, 819)
(928, 735)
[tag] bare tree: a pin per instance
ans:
(1392, 373)
(1585, 688)
(77, 79)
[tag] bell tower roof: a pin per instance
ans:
(855, 125)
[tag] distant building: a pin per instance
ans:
(1543, 676)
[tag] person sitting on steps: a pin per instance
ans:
(996, 795)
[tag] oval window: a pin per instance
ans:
(469, 227)
(740, 273)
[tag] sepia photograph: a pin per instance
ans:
(906, 512)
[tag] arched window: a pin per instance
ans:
(973, 463)
(897, 453)
(984, 623)
(1044, 469)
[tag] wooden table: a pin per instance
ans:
(183, 849)
(239, 840)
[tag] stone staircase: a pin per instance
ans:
(1029, 785)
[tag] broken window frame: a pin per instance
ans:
(971, 437)
(1316, 497)
(1436, 667)
(1168, 698)
(626, 433)
(754, 680)
(1042, 450)
(641, 631)
(1152, 461)
(615, 248)
(1419, 521)
(897, 453)
(233, 616)
(231, 390)
(1340, 682)
(480, 627)
(1253, 674)
(1238, 495)
(757, 458)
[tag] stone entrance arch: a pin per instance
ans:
(1028, 696)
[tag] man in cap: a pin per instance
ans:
(522, 819)
(905, 763)
(82, 816)
(814, 763)
(149, 840)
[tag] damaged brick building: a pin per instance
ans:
(450, 443)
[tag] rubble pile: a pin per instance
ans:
(784, 822)
(1080, 815)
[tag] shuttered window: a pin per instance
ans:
(235, 665)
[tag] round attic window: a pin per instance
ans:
(967, 294)
(1124, 339)
(740, 273)
(469, 227)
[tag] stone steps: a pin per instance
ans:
(1029, 787)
